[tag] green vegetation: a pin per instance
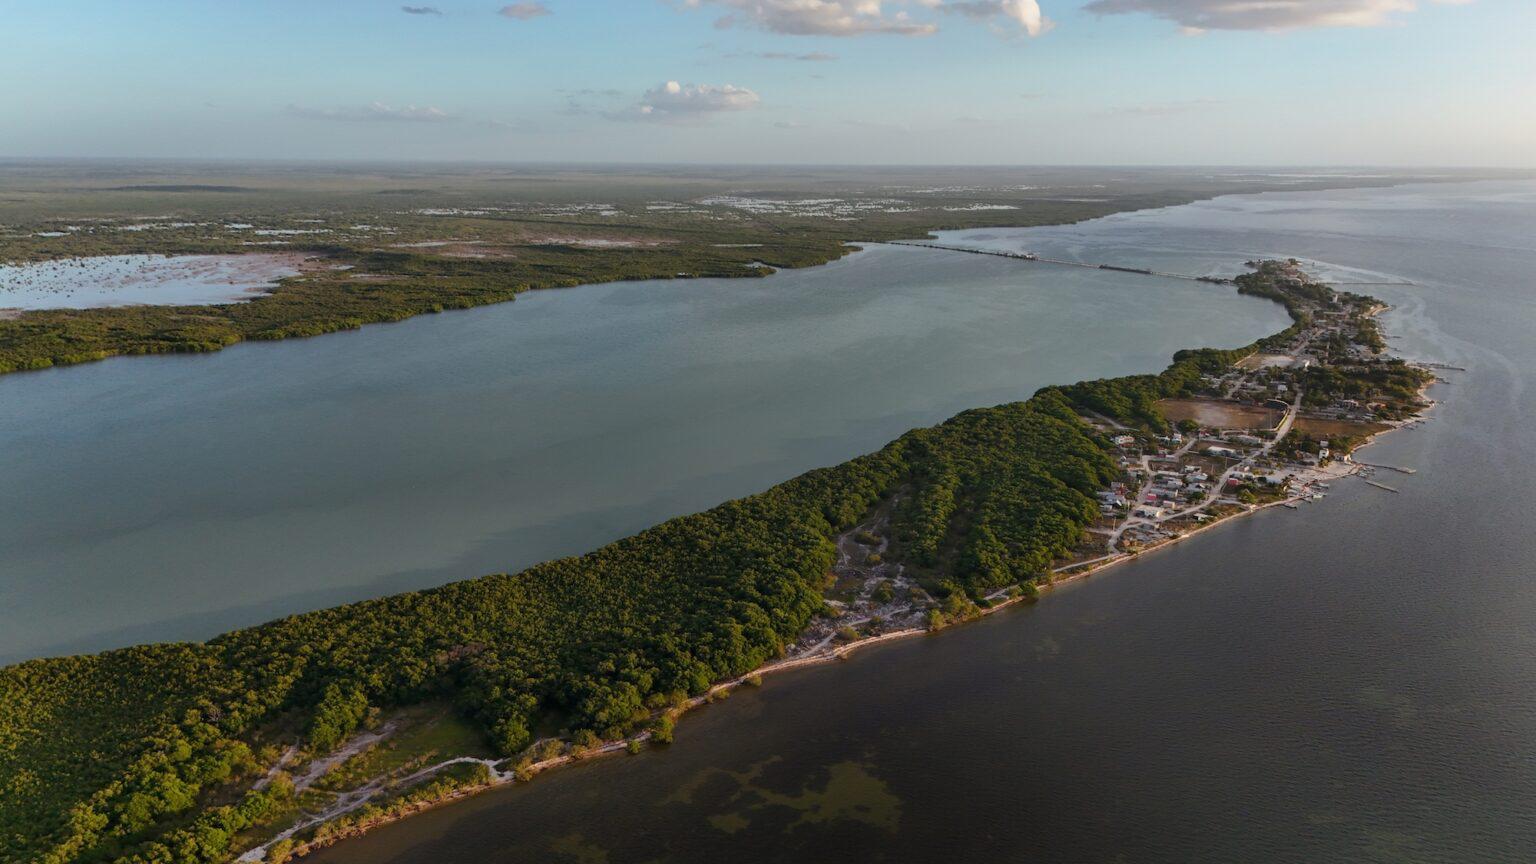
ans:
(600, 640)
(451, 779)
(1391, 385)
(139, 755)
(458, 237)
(443, 246)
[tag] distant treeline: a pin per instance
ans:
(406, 278)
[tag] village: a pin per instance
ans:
(1276, 428)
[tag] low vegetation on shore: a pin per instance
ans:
(409, 252)
(463, 238)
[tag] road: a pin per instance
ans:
(1133, 521)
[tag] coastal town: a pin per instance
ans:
(1277, 428)
(1271, 430)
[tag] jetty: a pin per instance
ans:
(1380, 485)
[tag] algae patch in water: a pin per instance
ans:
(849, 793)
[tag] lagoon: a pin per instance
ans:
(154, 498)
(128, 280)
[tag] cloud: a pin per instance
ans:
(375, 112)
(1026, 12)
(865, 17)
(524, 11)
(420, 10)
(1198, 16)
(690, 103)
(818, 17)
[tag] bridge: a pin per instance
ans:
(1030, 256)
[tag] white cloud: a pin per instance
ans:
(864, 17)
(1026, 12)
(524, 11)
(1197, 16)
(376, 111)
(678, 102)
(421, 10)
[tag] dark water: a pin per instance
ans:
(1354, 681)
(176, 497)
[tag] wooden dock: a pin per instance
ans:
(1380, 485)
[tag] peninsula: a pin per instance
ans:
(271, 740)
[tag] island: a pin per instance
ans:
(270, 741)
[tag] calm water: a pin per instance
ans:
(126, 280)
(1354, 681)
(177, 497)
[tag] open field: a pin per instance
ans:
(1266, 361)
(1219, 414)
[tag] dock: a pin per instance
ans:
(1399, 469)
(1380, 485)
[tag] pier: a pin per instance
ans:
(1030, 256)
(1399, 469)
(1380, 485)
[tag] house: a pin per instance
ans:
(1123, 441)
(1149, 512)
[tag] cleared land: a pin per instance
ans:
(1219, 414)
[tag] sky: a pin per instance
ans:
(1173, 82)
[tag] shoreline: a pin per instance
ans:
(817, 656)
(233, 332)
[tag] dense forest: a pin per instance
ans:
(113, 756)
